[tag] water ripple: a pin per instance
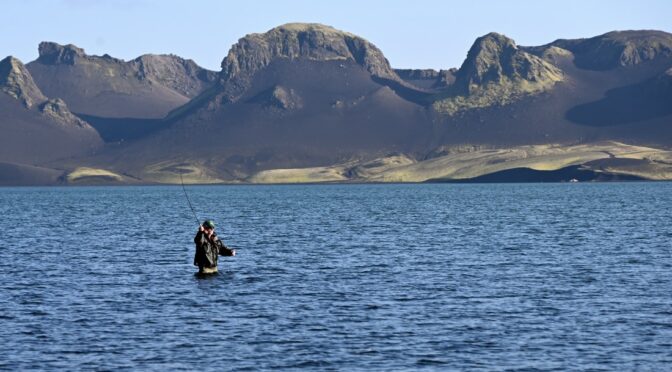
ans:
(347, 277)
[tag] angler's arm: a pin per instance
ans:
(200, 238)
(224, 250)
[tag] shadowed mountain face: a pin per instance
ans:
(147, 87)
(548, 94)
(300, 92)
(517, 175)
(295, 113)
(311, 96)
(35, 128)
(303, 95)
(629, 104)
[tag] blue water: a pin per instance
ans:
(347, 277)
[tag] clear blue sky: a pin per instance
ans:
(412, 34)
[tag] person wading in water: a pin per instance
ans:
(208, 248)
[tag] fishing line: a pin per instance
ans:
(198, 221)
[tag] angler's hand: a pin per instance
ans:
(200, 228)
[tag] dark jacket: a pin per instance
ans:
(208, 250)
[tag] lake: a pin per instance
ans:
(345, 277)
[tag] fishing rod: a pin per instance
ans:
(198, 220)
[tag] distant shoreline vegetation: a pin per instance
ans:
(606, 161)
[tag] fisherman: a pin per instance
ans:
(208, 248)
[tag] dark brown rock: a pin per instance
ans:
(149, 86)
(53, 53)
(298, 41)
(495, 58)
(618, 48)
(57, 110)
(16, 81)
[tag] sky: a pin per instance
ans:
(411, 34)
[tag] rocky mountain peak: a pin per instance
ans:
(279, 97)
(618, 48)
(58, 111)
(149, 86)
(497, 72)
(16, 81)
(54, 53)
(299, 40)
(495, 58)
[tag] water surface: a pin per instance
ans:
(348, 277)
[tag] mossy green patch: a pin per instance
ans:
(86, 174)
(496, 73)
(300, 175)
(501, 93)
(468, 161)
(176, 172)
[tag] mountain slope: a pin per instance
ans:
(497, 72)
(296, 41)
(309, 103)
(298, 94)
(36, 129)
(618, 49)
(302, 96)
(147, 87)
(16, 81)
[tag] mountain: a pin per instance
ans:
(36, 129)
(310, 103)
(298, 94)
(147, 87)
(297, 41)
(617, 49)
(17, 82)
(497, 72)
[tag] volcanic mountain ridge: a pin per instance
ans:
(308, 96)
